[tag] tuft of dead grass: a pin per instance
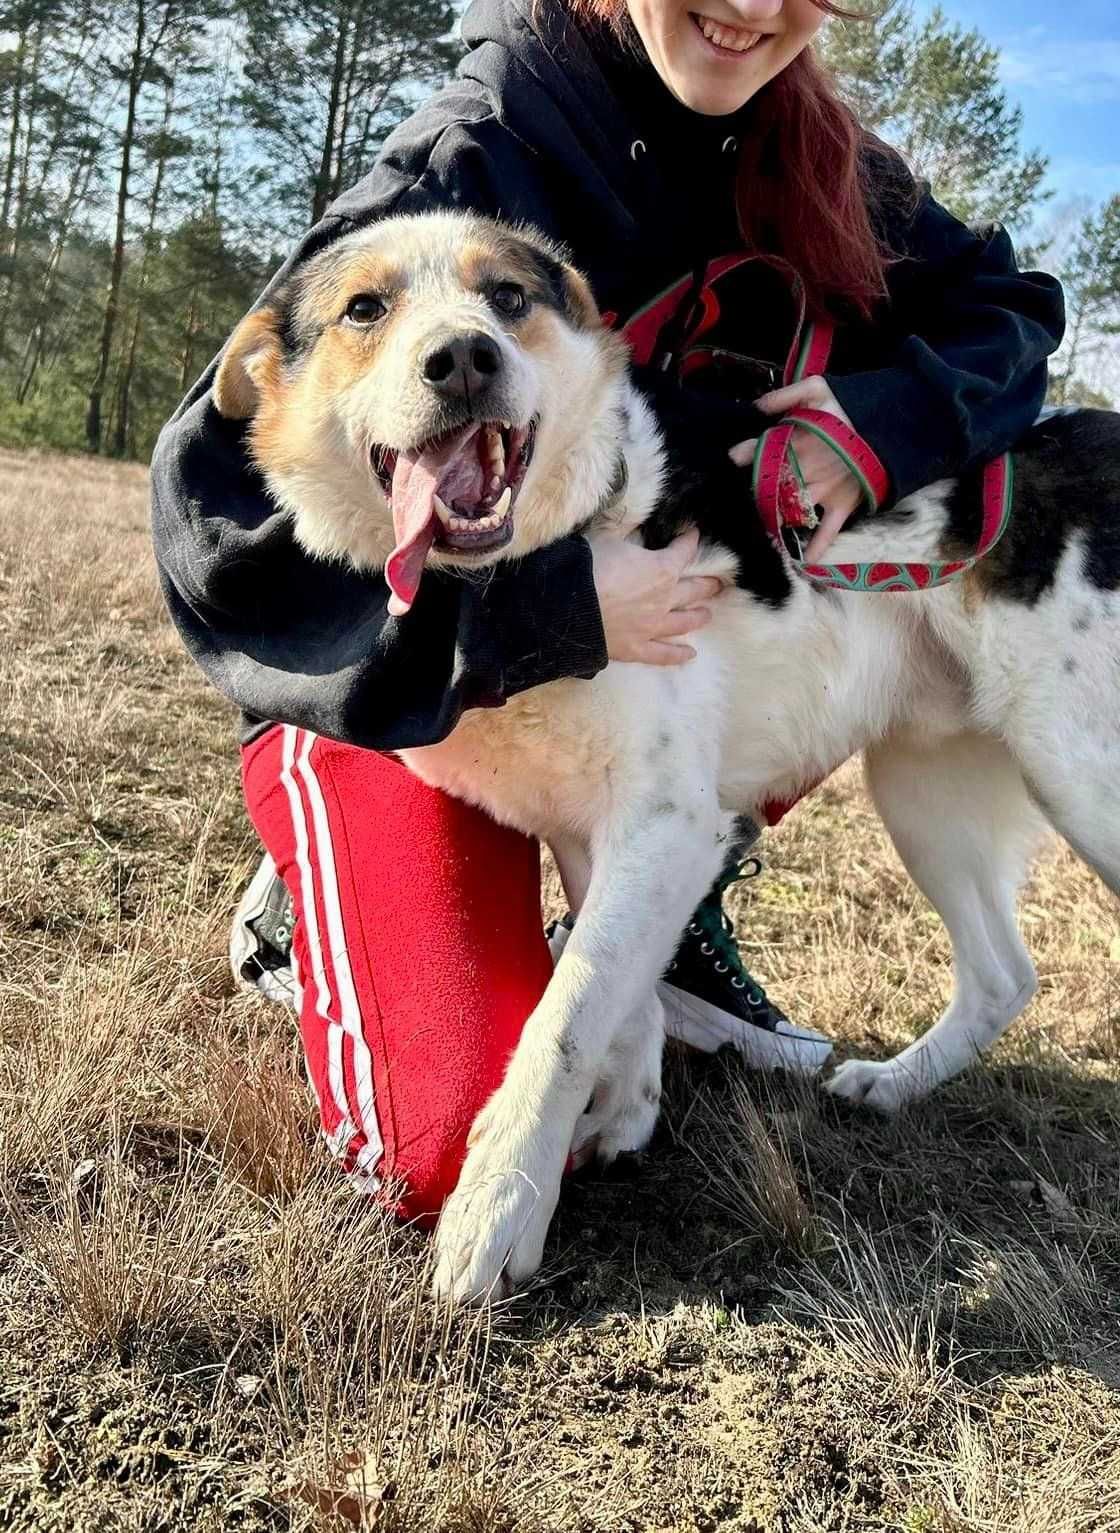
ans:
(787, 1315)
(125, 1257)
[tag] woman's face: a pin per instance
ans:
(715, 54)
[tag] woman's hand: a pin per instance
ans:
(828, 483)
(647, 602)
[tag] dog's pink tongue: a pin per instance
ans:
(449, 471)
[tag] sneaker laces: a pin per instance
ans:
(714, 926)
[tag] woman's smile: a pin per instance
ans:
(724, 37)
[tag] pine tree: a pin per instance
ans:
(324, 82)
(153, 37)
(1090, 275)
(932, 89)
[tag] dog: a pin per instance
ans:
(439, 390)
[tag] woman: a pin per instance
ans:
(651, 139)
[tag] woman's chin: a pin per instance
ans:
(697, 90)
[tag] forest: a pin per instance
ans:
(158, 158)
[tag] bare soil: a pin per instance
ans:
(788, 1316)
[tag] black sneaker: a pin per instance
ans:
(260, 940)
(711, 1001)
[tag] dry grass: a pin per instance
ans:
(787, 1316)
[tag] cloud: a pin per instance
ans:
(1083, 70)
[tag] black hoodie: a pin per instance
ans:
(559, 126)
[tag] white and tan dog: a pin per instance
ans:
(439, 390)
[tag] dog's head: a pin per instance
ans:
(433, 387)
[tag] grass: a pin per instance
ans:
(788, 1316)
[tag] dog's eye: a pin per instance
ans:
(509, 298)
(365, 309)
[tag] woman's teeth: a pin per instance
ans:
(734, 39)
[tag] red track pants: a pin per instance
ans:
(417, 946)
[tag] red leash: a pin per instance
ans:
(779, 492)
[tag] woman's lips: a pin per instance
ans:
(727, 39)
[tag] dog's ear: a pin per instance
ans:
(569, 288)
(580, 303)
(248, 363)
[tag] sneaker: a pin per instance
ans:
(711, 1001)
(260, 940)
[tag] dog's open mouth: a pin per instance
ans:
(455, 492)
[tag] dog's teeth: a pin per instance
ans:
(501, 505)
(495, 482)
(458, 524)
(441, 511)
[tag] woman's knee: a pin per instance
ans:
(419, 949)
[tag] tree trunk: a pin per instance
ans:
(138, 68)
(322, 188)
(35, 348)
(186, 356)
(21, 210)
(128, 371)
(7, 272)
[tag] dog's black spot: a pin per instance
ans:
(1083, 621)
(652, 1094)
(1067, 485)
(569, 1054)
(1069, 665)
(554, 285)
(703, 488)
(664, 740)
(292, 342)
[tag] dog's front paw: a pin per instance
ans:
(885, 1086)
(491, 1233)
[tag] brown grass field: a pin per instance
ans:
(787, 1316)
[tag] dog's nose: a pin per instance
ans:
(462, 368)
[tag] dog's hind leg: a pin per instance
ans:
(959, 813)
(1082, 800)
(626, 1103)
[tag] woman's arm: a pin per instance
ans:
(968, 371)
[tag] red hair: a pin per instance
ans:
(802, 188)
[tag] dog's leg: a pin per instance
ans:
(651, 865)
(963, 823)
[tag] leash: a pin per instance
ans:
(779, 491)
(692, 306)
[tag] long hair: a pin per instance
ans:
(802, 191)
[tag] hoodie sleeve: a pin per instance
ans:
(968, 372)
(296, 640)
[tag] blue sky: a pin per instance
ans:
(1061, 64)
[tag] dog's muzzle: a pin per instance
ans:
(455, 492)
